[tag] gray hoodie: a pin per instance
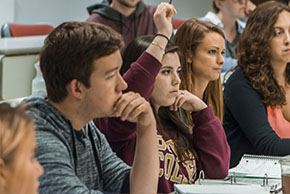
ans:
(74, 161)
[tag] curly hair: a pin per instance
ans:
(188, 37)
(254, 53)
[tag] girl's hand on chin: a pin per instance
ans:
(188, 102)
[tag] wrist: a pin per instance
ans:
(146, 119)
(145, 127)
(163, 35)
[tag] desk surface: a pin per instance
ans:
(21, 45)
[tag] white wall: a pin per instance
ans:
(51, 11)
(187, 8)
(6, 11)
(57, 11)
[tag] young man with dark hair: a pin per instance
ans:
(80, 62)
(131, 18)
(226, 15)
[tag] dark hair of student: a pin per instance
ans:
(69, 53)
(166, 119)
(188, 37)
(254, 53)
(258, 2)
(214, 7)
(134, 49)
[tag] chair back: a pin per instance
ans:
(20, 30)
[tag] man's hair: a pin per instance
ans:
(258, 2)
(254, 53)
(214, 7)
(69, 52)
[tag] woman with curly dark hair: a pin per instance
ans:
(257, 95)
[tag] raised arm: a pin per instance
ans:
(145, 168)
(141, 75)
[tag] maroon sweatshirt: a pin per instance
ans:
(209, 137)
(138, 23)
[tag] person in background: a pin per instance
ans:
(226, 16)
(203, 45)
(252, 4)
(257, 95)
(19, 169)
(183, 150)
(80, 62)
(131, 18)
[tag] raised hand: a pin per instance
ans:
(162, 18)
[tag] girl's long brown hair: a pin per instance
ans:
(188, 37)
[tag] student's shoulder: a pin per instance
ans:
(46, 117)
(36, 107)
(237, 78)
(237, 85)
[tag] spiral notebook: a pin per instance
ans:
(219, 189)
(257, 166)
(254, 174)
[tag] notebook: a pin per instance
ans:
(218, 189)
(257, 166)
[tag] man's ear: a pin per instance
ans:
(218, 3)
(75, 88)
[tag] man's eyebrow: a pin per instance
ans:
(112, 70)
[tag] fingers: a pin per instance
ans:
(170, 11)
(165, 9)
(130, 106)
(162, 18)
(134, 113)
(179, 101)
